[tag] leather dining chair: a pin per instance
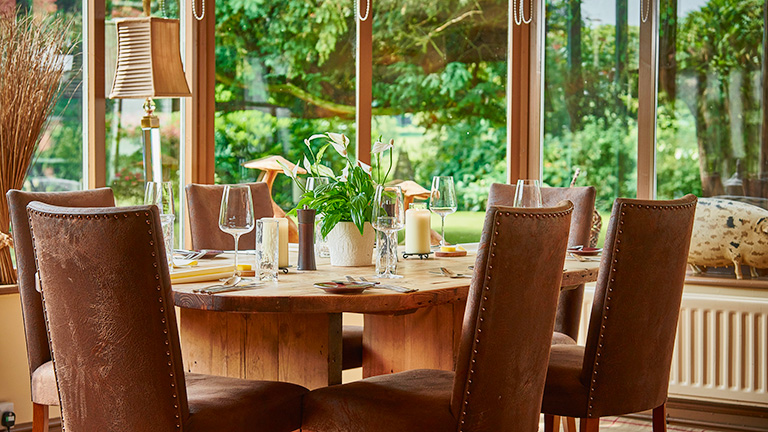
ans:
(43, 383)
(115, 346)
(203, 204)
(504, 346)
(583, 199)
(624, 367)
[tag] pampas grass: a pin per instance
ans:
(31, 68)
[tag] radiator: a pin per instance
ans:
(721, 349)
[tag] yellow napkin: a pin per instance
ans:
(202, 274)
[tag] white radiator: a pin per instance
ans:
(721, 349)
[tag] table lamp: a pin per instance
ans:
(149, 66)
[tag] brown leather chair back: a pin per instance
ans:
(38, 351)
(637, 302)
(583, 199)
(111, 320)
(204, 202)
(509, 318)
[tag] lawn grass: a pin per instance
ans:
(466, 226)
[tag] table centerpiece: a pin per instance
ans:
(346, 200)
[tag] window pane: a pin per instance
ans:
(284, 70)
(58, 162)
(590, 97)
(439, 89)
(710, 129)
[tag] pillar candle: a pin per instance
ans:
(417, 228)
(283, 227)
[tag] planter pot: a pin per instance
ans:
(348, 248)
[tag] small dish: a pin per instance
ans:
(586, 251)
(344, 287)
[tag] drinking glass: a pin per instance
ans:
(321, 243)
(267, 249)
(161, 195)
(527, 194)
(236, 213)
(388, 218)
(442, 200)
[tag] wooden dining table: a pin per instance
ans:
(291, 331)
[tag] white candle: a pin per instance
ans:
(283, 242)
(417, 229)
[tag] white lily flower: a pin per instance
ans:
(286, 170)
(325, 171)
(380, 147)
(344, 174)
(295, 170)
(307, 165)
(339, 142)
(365, 167)
(315, 136)
(306, 142)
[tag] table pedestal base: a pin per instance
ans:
(425, 339)
(299, 348)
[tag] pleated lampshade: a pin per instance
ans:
(148, 60)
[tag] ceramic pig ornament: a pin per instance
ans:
(729, 233)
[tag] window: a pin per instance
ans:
(711, 138)
(284, 71)
(439, 89)
(58, 163)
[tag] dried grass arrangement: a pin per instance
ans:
(31, 61)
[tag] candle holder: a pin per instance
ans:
(423, 256)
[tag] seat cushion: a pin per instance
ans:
(562, 339)
(564, 393)
(44, 388)
(417, 400)
(231, 404)
(351, 347)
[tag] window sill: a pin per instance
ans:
(9, 289)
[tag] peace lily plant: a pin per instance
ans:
(347, 197)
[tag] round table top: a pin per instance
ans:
(295, 291)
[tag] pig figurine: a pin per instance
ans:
(729, 232)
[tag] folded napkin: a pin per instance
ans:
(204, 274)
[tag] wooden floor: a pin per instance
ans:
(624, 424)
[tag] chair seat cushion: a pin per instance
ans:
(416, 400)
(564, 393)
(44, 388)
(351, 347)
(562, 339)
(230, 404)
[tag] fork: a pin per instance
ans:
(389, 287)
(452, 274)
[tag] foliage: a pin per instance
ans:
(347, 197)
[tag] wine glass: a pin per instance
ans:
(161, 195)
(236, 213)
(388, 218)
(527, 194)
(442, 200)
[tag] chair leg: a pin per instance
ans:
(660, 418)
(39, 418)
(551, 423)
(590, 425)
(569, 425)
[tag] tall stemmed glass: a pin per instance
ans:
(321, 243)
(388, 218)
(442, 200)
(527, 194)
(161, 195)
(236, 214)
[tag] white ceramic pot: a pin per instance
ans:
(348, 248)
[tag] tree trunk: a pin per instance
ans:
(668, 49)
(621, 79)
(574, 86)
